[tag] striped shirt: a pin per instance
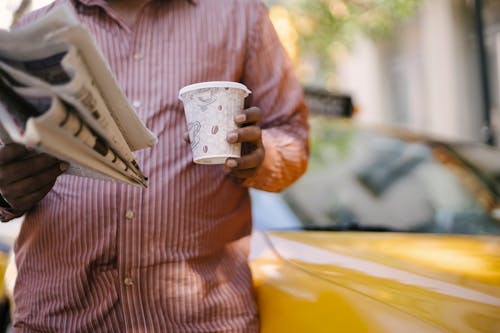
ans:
(97, 256)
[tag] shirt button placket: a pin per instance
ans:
(138, 56)
(136, 103)
(129, 215)
(128, 277)
(128, 281)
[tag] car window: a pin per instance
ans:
(358, 178)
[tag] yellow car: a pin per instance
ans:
(385, 233)
(7, 236)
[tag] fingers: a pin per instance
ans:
(27, 201)
(25, 193)
(251, 134)
(248, 131)
(248, 117)
(26, 177)
(247, 165)
(23, 168)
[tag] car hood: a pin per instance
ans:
(431, 277)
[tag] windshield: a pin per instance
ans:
(360, 180)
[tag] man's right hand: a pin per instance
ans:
(25, 178)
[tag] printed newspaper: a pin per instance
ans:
(58, 95)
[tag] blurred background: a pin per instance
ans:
(432, 66)
(427, 65)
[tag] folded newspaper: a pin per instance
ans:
(58, 95)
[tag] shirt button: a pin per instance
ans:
(128, 281)
(129, 215)
(136, 104)
(138, 56)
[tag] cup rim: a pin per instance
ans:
(214, 84)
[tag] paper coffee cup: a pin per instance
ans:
(210, 108)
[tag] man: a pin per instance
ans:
(100, 256)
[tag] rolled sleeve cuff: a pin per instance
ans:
(284, 162)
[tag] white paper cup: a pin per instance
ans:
(210, 108)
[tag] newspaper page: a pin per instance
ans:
(62, 26)
(44, 122)
(64, 75)
(59, 56)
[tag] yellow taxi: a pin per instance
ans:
(386, 232)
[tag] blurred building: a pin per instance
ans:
(426, 75)
(491, 15)
(13, 9)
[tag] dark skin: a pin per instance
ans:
(250, 135)
(26, 178)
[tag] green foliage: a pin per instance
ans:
(337, 20)
(327, 27)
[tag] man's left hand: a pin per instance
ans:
(252, 149)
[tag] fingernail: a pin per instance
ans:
(240, 118)
(232, 137)
(63, 166)
(231, 163)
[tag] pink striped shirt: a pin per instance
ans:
(97, 256)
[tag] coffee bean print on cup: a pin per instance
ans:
(194, 133)
(215, 129)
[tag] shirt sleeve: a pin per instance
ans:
(276, 90)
